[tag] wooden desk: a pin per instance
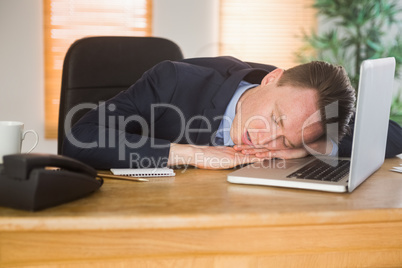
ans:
(200, 220)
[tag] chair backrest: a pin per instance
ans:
(97, 68)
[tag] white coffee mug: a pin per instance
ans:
(11, 136)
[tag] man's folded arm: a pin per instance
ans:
(105, 148)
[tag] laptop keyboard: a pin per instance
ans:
(318, 170)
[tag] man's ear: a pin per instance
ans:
(273, 76)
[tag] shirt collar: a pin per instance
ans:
(223, 131)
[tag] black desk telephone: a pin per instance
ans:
(31, 182)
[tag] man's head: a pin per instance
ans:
(282, 111)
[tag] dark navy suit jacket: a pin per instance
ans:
(174, 102)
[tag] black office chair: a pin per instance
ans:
(97, 68)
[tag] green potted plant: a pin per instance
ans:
(354, 31)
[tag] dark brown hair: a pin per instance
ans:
(334, 92)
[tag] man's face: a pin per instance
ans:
(274, 116)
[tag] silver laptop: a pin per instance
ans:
(368, 150)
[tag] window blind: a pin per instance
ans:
(68, 20)
(265, 31)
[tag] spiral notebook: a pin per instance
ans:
(143, 172)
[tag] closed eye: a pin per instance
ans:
(275, 119)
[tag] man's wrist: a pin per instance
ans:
(181, 154)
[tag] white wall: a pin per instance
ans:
(192, 24)
(21, 67)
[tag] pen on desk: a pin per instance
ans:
(110, 176)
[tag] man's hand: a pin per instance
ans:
(321, 146)
(266, 153)
(208, 157)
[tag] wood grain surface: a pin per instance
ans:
(198, 219)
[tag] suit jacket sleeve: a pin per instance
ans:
(393, 146)
(115, 135)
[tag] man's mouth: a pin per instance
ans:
(246, 138)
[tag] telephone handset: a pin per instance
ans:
(31, 182)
